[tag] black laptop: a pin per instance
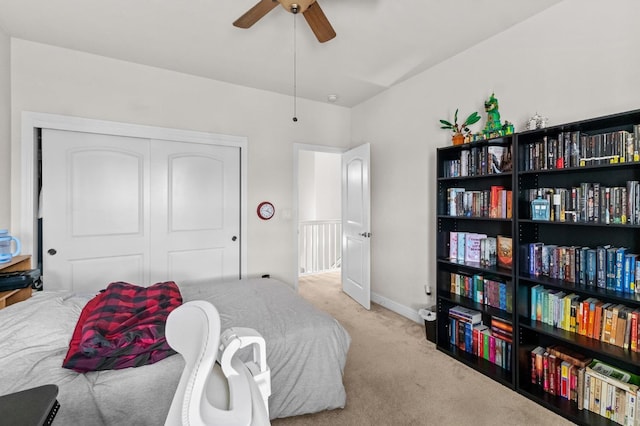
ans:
(31, 407)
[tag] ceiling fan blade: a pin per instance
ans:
(254, 14)
(319, 23)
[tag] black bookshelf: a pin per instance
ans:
(480, 179)
(529, 173)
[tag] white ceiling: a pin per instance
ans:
(379, 42)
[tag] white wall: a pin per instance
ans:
(61, 81)
(5, 129)
(576, 60)
(319, 186)
(306, 185)
(328, 184)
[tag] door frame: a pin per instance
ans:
(31, 121)
(297, 147)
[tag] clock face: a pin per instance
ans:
(266, 210)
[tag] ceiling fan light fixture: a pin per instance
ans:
(296, 6)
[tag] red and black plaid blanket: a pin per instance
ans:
(122, 327)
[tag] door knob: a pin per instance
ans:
(365, 234)
(52, 252)
(234, 238)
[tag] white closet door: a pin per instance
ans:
(195, 211)
(95, 204)
(137, 210)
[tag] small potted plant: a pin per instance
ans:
(460, 130)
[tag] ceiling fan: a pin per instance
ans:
(310, 9)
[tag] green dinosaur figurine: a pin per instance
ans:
(493, 116)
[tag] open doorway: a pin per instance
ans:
(319, 211)
(316, 170)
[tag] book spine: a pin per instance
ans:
(545, 372)
(591, 267)
(633, 344)
(601, 268)
(637, 278)
(620, 254)
(453, 245)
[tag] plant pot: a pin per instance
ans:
(458, 139)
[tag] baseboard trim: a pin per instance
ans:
(399, 309)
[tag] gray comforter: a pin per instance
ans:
(306, 352)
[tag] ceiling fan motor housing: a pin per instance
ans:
(296, 6)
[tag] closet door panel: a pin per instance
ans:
(195, 211)
(196, 193)
(106, 186)
(94, 209)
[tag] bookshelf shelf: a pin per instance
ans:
(502, 175)
(595, 198)
(586, 343)
(564, 407)
(481, 218)
(566, 223)
(588, 169)
(477, 268)
(591, 291)
(482, 365)
(465, 301)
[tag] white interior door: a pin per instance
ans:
(195, 211)
(137, 210)
(95, 204)
(356, 223)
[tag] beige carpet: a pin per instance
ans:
(394, 376)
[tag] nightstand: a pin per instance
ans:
(9, 297)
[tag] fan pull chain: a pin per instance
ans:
(295, 74)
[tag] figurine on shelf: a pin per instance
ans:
(508, 128)
(537, 122)
(493, 126)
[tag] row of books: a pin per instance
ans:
(611, 323)
(479, 249)
(576, 149)
(556, 369)
(480, 161)
(592, 202)
(592, 384)
(611, 393)
(495, 202)
(489, 291)
(468, 333)
(605, 266)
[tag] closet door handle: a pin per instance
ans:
(234, 238)
(52, 252)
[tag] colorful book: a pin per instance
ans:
(505, 253)
(461, 246)
(465, 314)
(620, 254)
(629, 285)
(472, 247)
(591, 266)
(453, 245)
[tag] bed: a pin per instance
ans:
(306, 352)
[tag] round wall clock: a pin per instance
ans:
(266, 210)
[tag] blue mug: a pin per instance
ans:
(5, 246)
